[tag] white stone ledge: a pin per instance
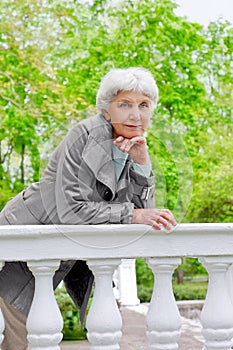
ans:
(36, 242)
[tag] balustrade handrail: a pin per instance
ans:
(118, 241)
(103, 247)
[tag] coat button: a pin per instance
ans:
(107, 195)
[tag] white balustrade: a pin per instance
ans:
(104, 320)
(2, 323)
(163, 317)
(44, 322)
(126, 283)
(217, 313)
(104, 247)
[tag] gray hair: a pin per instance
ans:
(126, 79)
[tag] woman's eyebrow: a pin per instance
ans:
(125, 99)
(146, 100)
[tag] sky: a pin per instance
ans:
(204, 11)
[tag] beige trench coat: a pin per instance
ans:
(79, 186)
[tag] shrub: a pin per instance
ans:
(144, 274)
(185, 291)
(72, 329)
(189, 290)
(191, 267)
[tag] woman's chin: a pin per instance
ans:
(129, 134)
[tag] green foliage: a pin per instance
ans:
(191, 289)
(172, 167)
(145, 280)
(184, 291)
(213, 186)
(72, 329)
(144, 274)
(144, 293)
(6, 193)
(191, 267)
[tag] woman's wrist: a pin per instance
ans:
(141, 159)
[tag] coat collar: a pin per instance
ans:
(97, 153)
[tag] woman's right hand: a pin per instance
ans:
(154, 217)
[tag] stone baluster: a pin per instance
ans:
(127, 283)
(104, 320)
(44, 323)
(2, 323)
(163, 317)
(217, 312)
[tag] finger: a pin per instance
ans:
(118, 139)
(123, 147)
(155, 225)
(138, 139)
(120, 143)
(166, 213)
(126, 145)
(129, 145)
(164, 222)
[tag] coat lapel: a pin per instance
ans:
(97, 153)
(124, 180)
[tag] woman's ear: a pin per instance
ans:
(106, 115)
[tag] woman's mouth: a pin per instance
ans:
(133, 126)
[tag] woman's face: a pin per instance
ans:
(129, 113)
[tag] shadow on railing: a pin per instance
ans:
(103, 247)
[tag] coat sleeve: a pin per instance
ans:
(143, 189)
(74, 189)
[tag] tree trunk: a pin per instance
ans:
(180, 276)
(22, 163)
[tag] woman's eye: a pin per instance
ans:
(143, 106)
(124, 105)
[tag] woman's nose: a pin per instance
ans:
(134, 113)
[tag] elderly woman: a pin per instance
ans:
(99, 174)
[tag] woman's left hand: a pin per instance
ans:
(157, 218)
(136, 147)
